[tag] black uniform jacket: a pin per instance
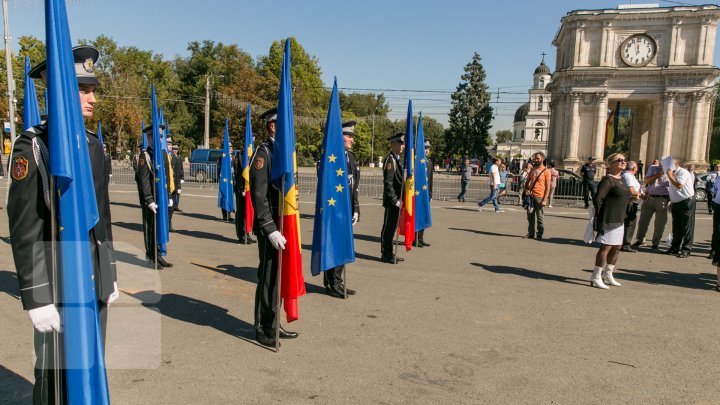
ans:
(353, 171)
(178, 172)
(393, 180)
(145, 177)
(238, 179)
(30, 219)
(265, 197)
(429, 164)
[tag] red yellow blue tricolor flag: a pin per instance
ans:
(246, 156)
(283, 174)
(407, 216)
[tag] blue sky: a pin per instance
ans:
(392, 45)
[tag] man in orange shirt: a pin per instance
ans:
(537, 186)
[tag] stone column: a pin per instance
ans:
(599, 142)
(696, 137)
(667, 124)
(574, 127)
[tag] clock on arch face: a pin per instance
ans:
(638, 50)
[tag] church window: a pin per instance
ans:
(540, 104)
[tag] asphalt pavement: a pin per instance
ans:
(481, 316)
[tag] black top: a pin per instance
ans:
(353, 171)
(429, 164)
(610, 202)
(265, 197)
(392, 180)
(588, 171)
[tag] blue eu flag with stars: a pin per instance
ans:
(333, 243)
(162, 196)
(226, 198)
(422, 193)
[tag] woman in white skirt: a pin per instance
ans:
(610, 203)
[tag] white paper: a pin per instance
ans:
(668, 163)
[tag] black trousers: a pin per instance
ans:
(173, 197)
(421, 235)
(266, 304)
(589, 187)
(225, 214)
(715, 246)
(683, 225)
(45, 368)
(387, 235)
(333, 278)
(709, 199)
(240, 217)
(630, 222)
(149, 231)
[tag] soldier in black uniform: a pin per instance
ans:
(429, 164)
(108, 162)
(179, 172)
(333, 278)
(265, 199)
(30, 218)
(392, 197)
(243, 236)
(177, 175)
(145, 179)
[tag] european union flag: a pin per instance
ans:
(226, 197)
(77, 214)
(162, 228)
(333, 243)
(99, 133)
(144, 137)
(31, 111)
(422, 194)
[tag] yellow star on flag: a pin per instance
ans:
(424, 187)
(417, 193)
(224, 180)
(332, 158)
(339, 188)
(331, 201)
(224, 155)
(339, 172)
(422, 161)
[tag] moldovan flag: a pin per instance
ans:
(407, 216)
(283, 173)
(246, 156)
(77, 213)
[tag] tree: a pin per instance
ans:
(470, 114)
(504, 135)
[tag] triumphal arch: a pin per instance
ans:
(637, 79)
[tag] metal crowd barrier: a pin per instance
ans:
(446, 187)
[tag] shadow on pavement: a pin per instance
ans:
(122, 204)
(517, 271)
(479, 232)
(368, 238)
(203, 217)
(9, 284)
(198, 312)
(249, 274)
(205, 235)
(699, 281)
(128, 258)
(469, 209)
(566, 241)
(129, 225)
(14, 389)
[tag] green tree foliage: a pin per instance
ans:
(504, 135)
(470, 114)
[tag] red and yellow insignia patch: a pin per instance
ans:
(19, 168)
(259, 163)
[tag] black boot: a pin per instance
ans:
(164, 263)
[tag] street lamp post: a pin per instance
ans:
(10, 79)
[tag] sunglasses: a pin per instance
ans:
(620, 161)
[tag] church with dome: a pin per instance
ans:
(532, 119)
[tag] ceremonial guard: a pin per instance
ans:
(107, 159)
(145, 179)
(265, 200)
(392, 197)
(176, 171)
(244, 237)
(429, 164)
(179, 172)
(333, 278)
(32, 223)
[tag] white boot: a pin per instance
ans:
(608, 275)
(596, 280)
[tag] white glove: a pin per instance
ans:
(153, 207)
(243, 194)
(182, 181)
(278, 241)
(179, 191)
(45, 319)
(356, 218)
(399, 204)
(170, 202)
(115, 294)
(111, 175)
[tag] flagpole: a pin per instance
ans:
(279, 265)
(53, 257)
